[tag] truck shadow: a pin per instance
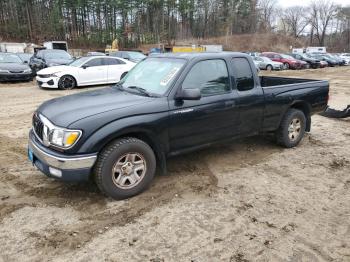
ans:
(190, 176)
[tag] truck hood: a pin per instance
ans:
(66, 110)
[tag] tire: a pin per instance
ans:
(67, 82)
(123, 74)
(269, 68)
(116, 174)
(286, 66)
(292, 128)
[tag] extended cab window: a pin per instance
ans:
(210, 76)
(243, 74)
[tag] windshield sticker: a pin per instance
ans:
(169, 76)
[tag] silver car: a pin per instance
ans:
(266, 63)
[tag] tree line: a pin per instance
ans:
(95, 23)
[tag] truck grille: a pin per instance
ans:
(38, 126)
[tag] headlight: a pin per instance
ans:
(4, 71)
(63, 137)
(27, 71)
(52, 75)
(58, 136)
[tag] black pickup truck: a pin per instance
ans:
(167, 105)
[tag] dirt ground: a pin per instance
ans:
(246, 201)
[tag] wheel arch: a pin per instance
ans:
(71, 75)
(306, 109)
(123, 74)
(145, 135)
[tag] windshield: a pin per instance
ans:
(79, 62)
(155, 75)
(57, 55)
(24, 56)
(136, 55)
(9, 58)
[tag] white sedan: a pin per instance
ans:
(92, 70)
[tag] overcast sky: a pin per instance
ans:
(287, 3)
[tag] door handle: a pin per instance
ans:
(230, 103)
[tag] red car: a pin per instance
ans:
(288, 61)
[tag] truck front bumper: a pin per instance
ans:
(58, 165)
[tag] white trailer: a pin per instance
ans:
(316, 49)
(12, 47)
(213, 48)
(56, 45)
(298, 50)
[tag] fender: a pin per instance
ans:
(152, 127)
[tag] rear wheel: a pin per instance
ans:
(269, 67)
(67, 82)
(125, 168)
(292, 128)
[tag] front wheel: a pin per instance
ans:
(125, 168)
(292, 128)
(269, 68)
(67, 82)
(286, 66)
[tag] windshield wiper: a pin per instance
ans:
(120, 86)
(141, 91)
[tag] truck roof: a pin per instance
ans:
(190, 56)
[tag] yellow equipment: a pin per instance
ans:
(187, 49)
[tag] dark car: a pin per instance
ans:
(323, 57)
(168, 104)
(25, 57)
(314, 63)
(49, 57)
(12, 68)
(129, 55)
(340, 60)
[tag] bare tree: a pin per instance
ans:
(322, 12)
(267, 13)
(295, 20)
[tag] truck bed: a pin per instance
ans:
(270, 81)
(281, 92)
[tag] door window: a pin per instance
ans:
(94, 62)
(210, 76)
(112, 61)
(243, 74)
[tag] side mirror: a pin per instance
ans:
(189, 94)
(84, 66)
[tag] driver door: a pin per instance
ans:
(214, 117)
(93, 72)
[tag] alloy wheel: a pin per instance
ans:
(129, 170)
